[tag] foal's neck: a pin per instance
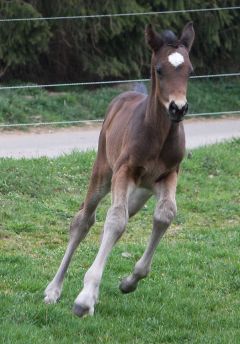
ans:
(156, 114)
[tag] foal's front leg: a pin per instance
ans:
(115, 223)
(164, 213)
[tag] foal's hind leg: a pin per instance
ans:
(99, 186)
(164, 213)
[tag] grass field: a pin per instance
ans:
(76, 103)
(192, 293)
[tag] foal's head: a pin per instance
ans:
(171, 68)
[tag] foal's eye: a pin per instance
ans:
(159, 69)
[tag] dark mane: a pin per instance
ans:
(169, 38)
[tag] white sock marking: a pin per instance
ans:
(176, 59)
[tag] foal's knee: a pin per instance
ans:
(165, 212)
(117, 218)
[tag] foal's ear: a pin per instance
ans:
(153, 39)
(188, 35)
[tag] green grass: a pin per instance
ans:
(192, 293)
(38, 105)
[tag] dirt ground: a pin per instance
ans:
(52, 142)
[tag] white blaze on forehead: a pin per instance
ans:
(176, 59)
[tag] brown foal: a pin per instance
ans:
(141, 146)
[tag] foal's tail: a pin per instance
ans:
(140, 87)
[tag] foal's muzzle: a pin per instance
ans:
(177, 112)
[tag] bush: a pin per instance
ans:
(110, 48)
(21, 43)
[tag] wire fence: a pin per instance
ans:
(111, 82)
(112, 15)
(100, 120)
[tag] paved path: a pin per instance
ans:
(52, 143)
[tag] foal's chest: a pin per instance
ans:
(166, 160)
(154, 171)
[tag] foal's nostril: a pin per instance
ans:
(173, 108)
(185, 109)
(177, 110)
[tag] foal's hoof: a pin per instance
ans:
(52, 295)
(82, 310)
(127, 287)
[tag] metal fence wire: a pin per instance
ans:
(111, 82)
(112, 15)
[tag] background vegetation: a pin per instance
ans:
(108, 48)
(76, 103)
(192, 293)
